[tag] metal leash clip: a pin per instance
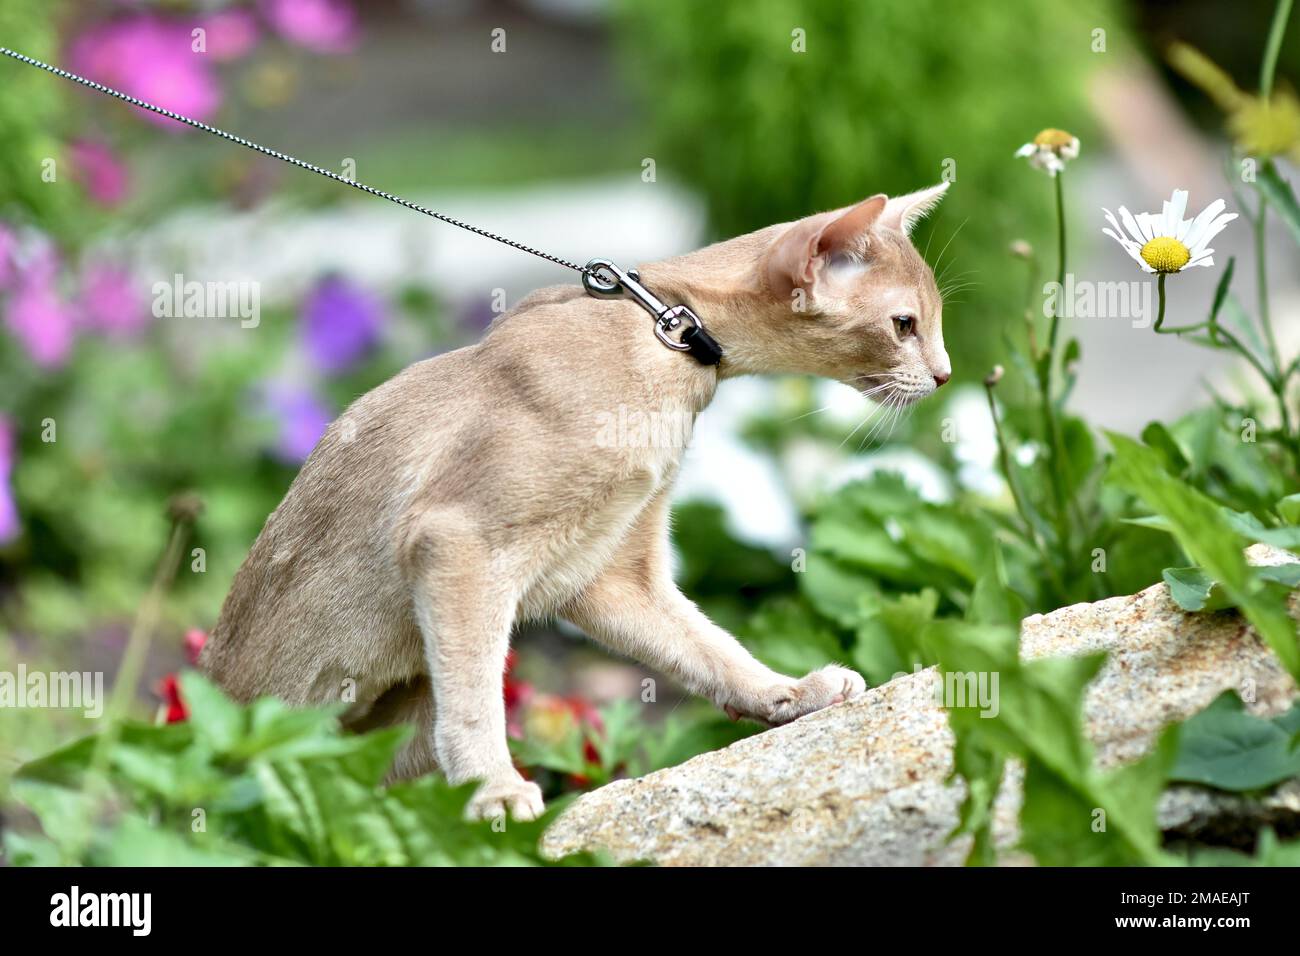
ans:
(692, 337)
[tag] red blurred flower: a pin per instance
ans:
(169, 689)
(517, 693)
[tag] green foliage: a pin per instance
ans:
(1229, 749)
(624, 746)
(32, 114)
(1210, 539)
(1072, 812)
(262, 784)
(885, 95)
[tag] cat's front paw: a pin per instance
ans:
(513, 795)
(830, 685)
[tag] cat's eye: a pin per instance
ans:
(904, 325)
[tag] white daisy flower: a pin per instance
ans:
(1166, 242)
(1050, 149)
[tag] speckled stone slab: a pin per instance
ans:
(863, 783)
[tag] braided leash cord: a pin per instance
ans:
(293, 160)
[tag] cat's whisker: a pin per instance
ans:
(889, 408)
(815, 411)
(949, 242)
(877, 412)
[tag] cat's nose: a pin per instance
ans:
(941, 377)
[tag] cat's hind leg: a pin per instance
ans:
(465, 607)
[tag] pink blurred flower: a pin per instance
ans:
(151, 58)
(37, 315)
(231, 34)
(195, 638)
(100, 172)
(325, 26)
(8, 509)
(110, 301)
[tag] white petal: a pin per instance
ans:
(1178, 207)
(1130, 224)
(1207, 261)
(1135, 253)
(1071, 149)
(1211, 230)
(1195, 235)
(1128, 245)
(1026, 150)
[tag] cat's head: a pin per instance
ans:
(854, 300)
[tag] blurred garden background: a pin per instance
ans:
(632, 130)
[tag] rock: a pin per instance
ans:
(863, 783)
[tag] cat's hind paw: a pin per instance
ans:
(519, 798)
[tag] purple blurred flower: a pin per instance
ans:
(100, 172)
(149, 57)
(231, 34)
(340, 323)
(8, 509)
(111, 302)
(8, 246)
(302, 419)
(37, 315)
(325, 26)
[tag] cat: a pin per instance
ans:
(474, 491)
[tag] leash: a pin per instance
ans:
(677, 327)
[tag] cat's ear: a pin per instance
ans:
(904, 212)
(797, 255)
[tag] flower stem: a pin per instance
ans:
(1004, 461)
(1046, 367)
(1268, 67)
(137, 648)
(1281, 377)
(1160, 314)
(1060, 263)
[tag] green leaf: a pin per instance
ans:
(1221, 290)
(787, 635)
(1205, 534)
(1156, 522)
(835, 589)
(1289, 509)
(1225, 747)
(215, 717)
(888, 638)
(1280, 196)
(1194, 590)
(1251, 528)
(993, 603)
(1160, 438)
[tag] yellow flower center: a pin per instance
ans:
(1053, 138)
(1165, 254)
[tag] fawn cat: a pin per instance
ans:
(471, 492)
